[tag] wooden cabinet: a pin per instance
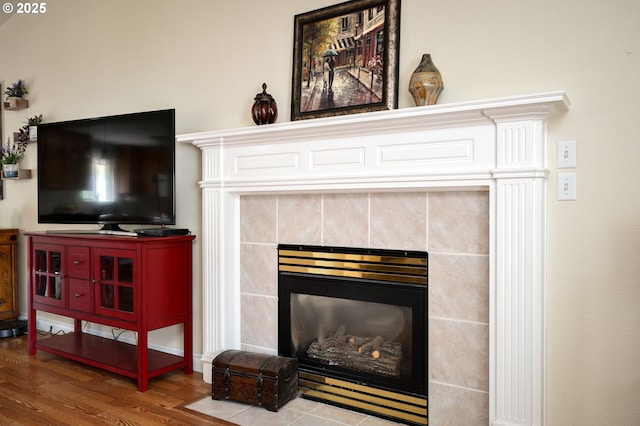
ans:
(9, 308)
(134, 283)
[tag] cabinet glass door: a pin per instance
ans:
(49, 278)
(115, 292)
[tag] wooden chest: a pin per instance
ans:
(257, 379)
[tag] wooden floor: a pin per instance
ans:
(49, 390)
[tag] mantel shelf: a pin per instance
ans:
(460, 114)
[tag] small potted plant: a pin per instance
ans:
(32, 127)
(10, 156)
(15, 93)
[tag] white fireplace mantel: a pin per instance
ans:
(497, 145)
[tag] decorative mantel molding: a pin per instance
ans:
(497, 145)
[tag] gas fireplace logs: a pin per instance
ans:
(367, 354)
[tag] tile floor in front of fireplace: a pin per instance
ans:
(298, 412)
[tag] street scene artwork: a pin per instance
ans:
(341, 62)
(1, 181)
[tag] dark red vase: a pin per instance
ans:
(264, 109)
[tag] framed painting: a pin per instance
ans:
(345, 59)
(1, 142)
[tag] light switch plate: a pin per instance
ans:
(567, 186)
(567, 154)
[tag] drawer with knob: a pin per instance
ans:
(78, 263)
(80, 295)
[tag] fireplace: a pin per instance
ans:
(355, 319)
(499, 145)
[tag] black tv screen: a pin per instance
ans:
(108, 170)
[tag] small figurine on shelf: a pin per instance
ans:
(14, 95)
(264, 109)
(10, 156)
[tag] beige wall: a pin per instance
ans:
(208, 59)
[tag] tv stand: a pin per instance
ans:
(137, 284)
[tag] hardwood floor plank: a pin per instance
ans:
(49, 390)
(10, 416)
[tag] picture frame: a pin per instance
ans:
(345, 59)
(1, 142)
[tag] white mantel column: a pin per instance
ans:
(220, 228)
(517, 364)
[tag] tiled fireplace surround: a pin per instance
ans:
(465, 182)
(452, 226)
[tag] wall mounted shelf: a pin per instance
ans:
(22, 174)
(16, 135)
(16, 105)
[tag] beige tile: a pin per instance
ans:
(259, 324)
(311, 420)
(258, 349)
(377, 421)
(259, 269)
(300, 219)
(218, 408)
(459, 353)
(346, 220)
(399, 221)
(341, 415)
(459, 222)
(258, 219)
(452, 406)
(459, 286)
(262, 416)
(302, 405)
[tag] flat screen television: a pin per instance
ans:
(109, 171)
